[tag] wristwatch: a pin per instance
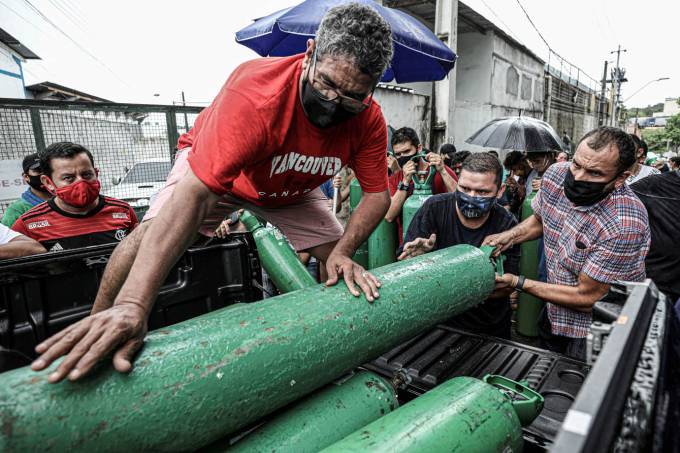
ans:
(402, 186)
(520, 283)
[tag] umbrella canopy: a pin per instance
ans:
(518, 133)
(419, 56)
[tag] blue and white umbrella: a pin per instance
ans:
(419, 56)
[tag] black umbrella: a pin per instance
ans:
(520, 133)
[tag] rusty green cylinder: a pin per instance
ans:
(528, 307)
(355, 193)
(322, 418)
(200, 380)
(463, 415)
(382, 244)
(278, 256)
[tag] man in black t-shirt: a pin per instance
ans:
(467, 216)
(661, 196)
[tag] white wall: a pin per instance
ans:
(402, 108)
(481, 90)
(12, 84)
(505, 56)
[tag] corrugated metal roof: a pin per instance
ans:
(469, 20)
(16, 46)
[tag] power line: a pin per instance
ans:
(66, 14)
(534, 25)
(550, 49)
(76, 43)
(19, 15)
(500, 20)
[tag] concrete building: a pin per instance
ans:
(12, 55)
(495, 76)
(670, 108)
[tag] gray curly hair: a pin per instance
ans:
(356, 31)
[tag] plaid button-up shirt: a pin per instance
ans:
(607, 241)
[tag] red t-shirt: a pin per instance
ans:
(438, 186)
(56, 229)
(255, 142)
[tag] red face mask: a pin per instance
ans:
(80, 194)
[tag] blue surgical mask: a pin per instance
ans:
(474, 207)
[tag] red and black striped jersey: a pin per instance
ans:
(57, 229)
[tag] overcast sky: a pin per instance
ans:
(145, 47)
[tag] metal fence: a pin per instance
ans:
(133, 144)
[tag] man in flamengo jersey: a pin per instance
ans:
(76, 215)
(277, 130)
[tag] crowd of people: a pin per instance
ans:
(272, 142)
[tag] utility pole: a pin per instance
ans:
(602, 116)
(617, 78)
(186, 121)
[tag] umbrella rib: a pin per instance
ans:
(283, 29)
(426, 54)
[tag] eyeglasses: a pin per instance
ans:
(351, 104)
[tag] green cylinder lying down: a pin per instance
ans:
(463, 415)
(528, 307)
(202, 379)
(277, 256)
(355, 193)
(382, 245)
(322, 418)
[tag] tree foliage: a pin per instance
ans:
(642, 112)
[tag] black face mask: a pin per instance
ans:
(403, 160)
(585, 193)
(35, 183)
(321, 112)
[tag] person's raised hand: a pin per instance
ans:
(418, 246)
(392, 163)
(337, 181)
(409, 169)
(435, 160)
(120, 328)
(501, 241)
(353, 274)
(535, 184)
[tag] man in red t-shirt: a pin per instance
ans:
(277, 130)
(76, 215)
(406, 144)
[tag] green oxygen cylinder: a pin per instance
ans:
(529, 307)
(277, 256)
(361, 255)
(201, 380)
(422, 190)
(320, 419)
(463, 415)
(382, 244)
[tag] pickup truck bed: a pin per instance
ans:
(444, 352)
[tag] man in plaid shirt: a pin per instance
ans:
(595, 229)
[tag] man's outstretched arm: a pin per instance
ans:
(122, 328)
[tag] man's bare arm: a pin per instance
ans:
(166, 239)
(581, 297)
(118, 268)
(396, 205)
(361, 223)
(122, 327)
(20, 246)
(531, 228)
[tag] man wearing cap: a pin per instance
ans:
(278, 129)
(35, 192)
